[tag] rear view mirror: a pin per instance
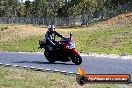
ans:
(70, 36)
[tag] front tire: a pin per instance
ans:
(49, 57)
(77, 60)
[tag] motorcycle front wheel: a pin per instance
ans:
(77, 60)
(49, 57)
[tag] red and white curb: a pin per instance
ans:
(39, 69)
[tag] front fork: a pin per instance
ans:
(74, 53)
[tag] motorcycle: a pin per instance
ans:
(64, 51)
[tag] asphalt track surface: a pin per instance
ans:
(91, 64)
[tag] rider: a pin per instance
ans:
(50, 37)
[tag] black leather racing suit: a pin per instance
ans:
(50, 35)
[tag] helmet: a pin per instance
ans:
(51, 28)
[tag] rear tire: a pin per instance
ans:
(49, 57)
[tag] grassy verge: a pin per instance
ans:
(109, 41)
(25, 45)
(21, 78)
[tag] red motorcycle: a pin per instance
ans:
(65, 51)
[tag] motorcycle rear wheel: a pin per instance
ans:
(49, 57)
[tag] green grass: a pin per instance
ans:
(6, 26)
(28, 44)
(21, 78)
(109, 41)
(3, 27)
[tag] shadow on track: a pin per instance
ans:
(39, 62)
